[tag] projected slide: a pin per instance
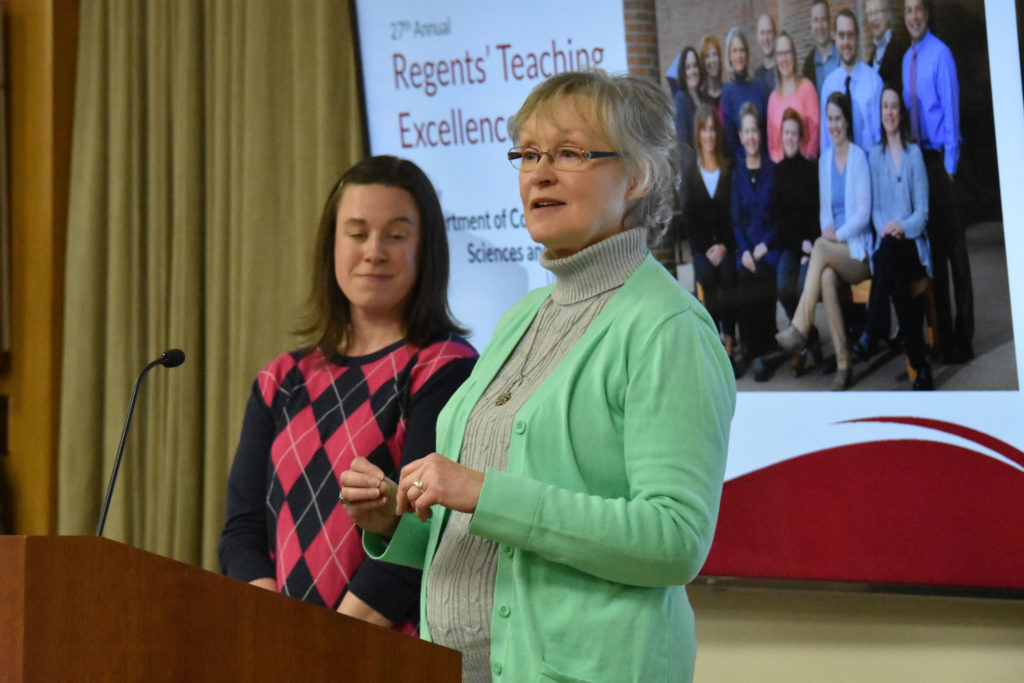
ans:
(875, 484)
(441, 81)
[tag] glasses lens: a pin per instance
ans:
(569, 158)
(524, 158)
(515, 157)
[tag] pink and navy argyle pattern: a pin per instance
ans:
(325, 415)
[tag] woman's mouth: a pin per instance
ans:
(545, 203)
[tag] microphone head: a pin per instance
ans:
(172, 358)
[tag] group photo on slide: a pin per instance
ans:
(897, 233)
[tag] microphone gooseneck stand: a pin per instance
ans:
(171, 358)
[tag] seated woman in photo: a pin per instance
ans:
(840, 255)
(795, 214)
(755, 237)
(899, 190)
(706, 215)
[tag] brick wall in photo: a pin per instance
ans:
(642, 38)
(684, 22)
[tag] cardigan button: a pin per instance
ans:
(496, 667)
(504, 611)
(506, 550)
(520, 427)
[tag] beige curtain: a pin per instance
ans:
(206, 137)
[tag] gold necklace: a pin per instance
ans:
(504, 396)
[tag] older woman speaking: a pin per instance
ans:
(580, 466)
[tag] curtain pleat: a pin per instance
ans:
(207, 134)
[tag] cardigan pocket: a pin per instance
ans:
(550, 673)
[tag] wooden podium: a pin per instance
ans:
(91, 609)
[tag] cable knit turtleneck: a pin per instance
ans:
(596, 269)
(460, 590)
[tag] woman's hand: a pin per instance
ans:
(265, 582)
(748, 261)
(369, 497)
(760, 250)
(893, 229)
(436, 480)
(806, 246)
(353, 606)
(715, 254)
(829, 233)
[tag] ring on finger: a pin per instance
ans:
(341, 497)
(419, 484)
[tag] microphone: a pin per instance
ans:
(171, 358)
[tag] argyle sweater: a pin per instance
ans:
(304, 424)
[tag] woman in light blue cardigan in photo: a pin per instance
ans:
(899, 187)
(840, 255)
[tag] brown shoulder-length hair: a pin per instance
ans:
(706, 113)
(427, 315)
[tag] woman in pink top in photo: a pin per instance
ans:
(794, 91)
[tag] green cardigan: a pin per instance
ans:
(609, 504)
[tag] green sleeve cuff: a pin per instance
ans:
(407, 546)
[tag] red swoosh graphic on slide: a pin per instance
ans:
(980, 438)
(896, 511)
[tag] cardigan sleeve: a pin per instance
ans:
(914, 224)
(876, 166)
(675, 436)
(858, 196)
(825, 190)
(407, 547)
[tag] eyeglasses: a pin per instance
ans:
(563, 158)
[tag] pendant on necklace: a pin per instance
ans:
(503, 399)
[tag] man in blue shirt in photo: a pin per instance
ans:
(859, 82)
(932, 93)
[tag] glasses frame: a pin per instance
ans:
(515, 156)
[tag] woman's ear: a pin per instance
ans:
(637, 189)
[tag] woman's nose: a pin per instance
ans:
(374, 249)
(544, 171)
